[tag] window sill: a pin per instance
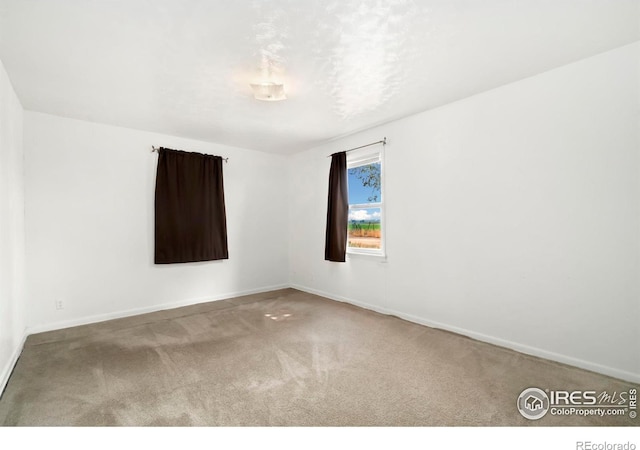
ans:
(366, 255)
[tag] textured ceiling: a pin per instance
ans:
(183, 67)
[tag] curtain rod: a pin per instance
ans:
(157, 150)
(383, 142)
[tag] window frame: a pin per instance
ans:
(359, 158)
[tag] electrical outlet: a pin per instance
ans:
(59, 304)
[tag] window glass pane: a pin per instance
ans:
(364, 184)
(364, 228)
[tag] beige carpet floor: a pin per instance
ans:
(279, 358)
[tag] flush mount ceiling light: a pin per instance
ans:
(268, 91)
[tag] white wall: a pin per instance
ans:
(12, 297)
(89, 224)
(513, 216)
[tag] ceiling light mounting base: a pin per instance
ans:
(268, 91)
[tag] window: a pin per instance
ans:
(366, 204)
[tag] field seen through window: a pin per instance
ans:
(364, 207)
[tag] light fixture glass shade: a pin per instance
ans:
(268, 91)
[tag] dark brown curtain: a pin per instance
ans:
(191, 224)
(335, 246)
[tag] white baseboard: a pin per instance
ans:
(6, 371)
(534, 351)
(148, 309)
(522, 348)
(8, 367)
